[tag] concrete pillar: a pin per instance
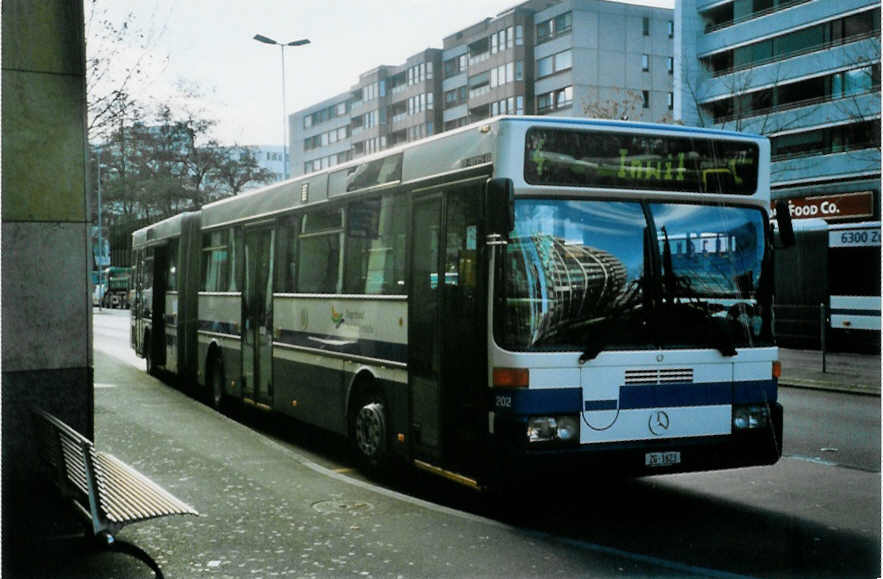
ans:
(46, 305)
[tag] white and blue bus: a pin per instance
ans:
(516, 297)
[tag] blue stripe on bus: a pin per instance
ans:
(751, 391)
(683, 395)
(569, 400)
(357, 347)
(545, 401)
(601, 404)
(675, 395)
(219, 327)
(849, 312)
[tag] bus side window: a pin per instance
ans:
(216, 270)
(319, 247)
(172, 277)
(286, 269)
(375, 246)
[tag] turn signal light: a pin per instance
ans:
(511, 377)
(777, 369)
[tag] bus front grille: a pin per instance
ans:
(659, 376)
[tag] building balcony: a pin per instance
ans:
(455, 81)
(806, 113)
(457, 112)
(709, 28)
(765, 74)
(825, 166)
(775, 22)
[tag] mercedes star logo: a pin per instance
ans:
(658, 423)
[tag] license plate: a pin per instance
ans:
(657, 459)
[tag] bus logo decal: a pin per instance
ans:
(658, 423)
(336, 317)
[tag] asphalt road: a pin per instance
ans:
(281, 499)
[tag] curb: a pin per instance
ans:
(808, 384)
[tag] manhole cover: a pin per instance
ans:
(347, 507)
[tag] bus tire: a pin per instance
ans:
(369, 432)
(216, 393)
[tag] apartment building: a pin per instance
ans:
(806, 73)
(546, 57)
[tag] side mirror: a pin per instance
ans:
(783, 220)
(499, 208)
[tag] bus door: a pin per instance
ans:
(257, 316)
(158, 323)
(142, 310)
(446, 346)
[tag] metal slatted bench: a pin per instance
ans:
(106, 491)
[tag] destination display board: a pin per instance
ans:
(619, 160)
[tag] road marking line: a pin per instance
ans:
(104, 385)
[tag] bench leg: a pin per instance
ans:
(108, 541)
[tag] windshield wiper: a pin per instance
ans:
(675, 286)
(598, 343)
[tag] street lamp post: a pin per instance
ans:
(301, 42)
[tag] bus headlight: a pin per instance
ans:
(552, 429)
(750, 416)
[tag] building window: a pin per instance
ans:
(671, 29)
(839, 139)
(670, 64)
(671, 101)
(479, 51)
(555, 100)
(554, 27)
(555, 63)
(645, 62)
(479, 85)
(519, 35)
(645, 25)
(645, 95)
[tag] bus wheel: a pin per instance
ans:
(217, 383)
(369, 432)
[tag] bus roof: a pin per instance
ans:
(449, 152)
(625, 124)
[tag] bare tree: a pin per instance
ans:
(626, 105)
(239, 168)
(116, 55)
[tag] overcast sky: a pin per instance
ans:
(208, 45)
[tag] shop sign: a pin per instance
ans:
(831, 207)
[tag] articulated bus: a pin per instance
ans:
(521, 296)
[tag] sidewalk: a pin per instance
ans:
(845, 372)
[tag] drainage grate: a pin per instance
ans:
(657, 376)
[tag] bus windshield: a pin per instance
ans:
(591, 275)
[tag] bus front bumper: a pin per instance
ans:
(519, 459)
